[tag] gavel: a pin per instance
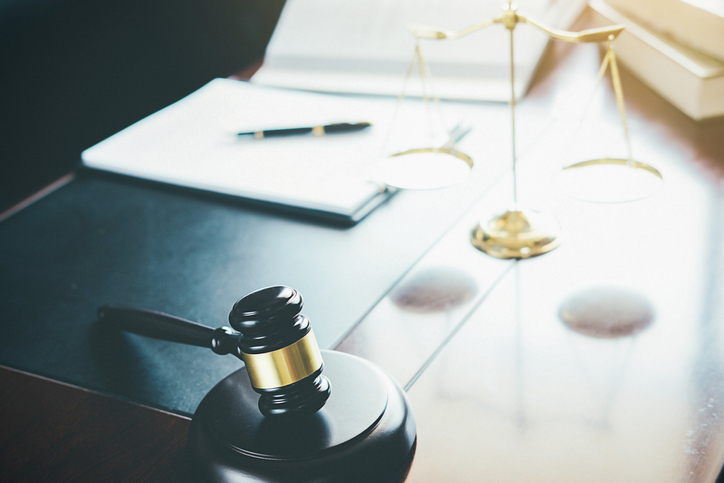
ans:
(279, 419)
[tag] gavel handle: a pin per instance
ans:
(162, 326)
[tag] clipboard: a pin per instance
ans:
(193, 143)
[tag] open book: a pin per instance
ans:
(363, 47)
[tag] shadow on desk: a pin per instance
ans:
(311, 216)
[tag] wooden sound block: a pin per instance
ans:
(364, 433)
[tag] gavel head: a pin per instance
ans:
(280, 352)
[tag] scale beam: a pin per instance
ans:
(510, 18)
(596, 35)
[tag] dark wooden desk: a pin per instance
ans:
(55, 432)
(502, 390)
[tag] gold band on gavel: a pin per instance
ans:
(286, 365)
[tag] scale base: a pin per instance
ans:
(365, 432)
(517, 234)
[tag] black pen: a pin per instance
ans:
(316, 130)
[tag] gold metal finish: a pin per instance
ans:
(618, 90)
(610, 180)
(428, 167)
(318, 130)
(259, 135)
(510, 18)
(617, 162)
(284, 366)
(448, 151)
(517, 234)
(514, 234)
(514, 156)
(584, 36)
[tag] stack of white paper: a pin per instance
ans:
(193, 143)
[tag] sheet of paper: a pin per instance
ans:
(363, 47)
(193, 143)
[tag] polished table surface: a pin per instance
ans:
(502, 389)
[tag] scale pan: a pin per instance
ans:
(610, 180)
(426, 168)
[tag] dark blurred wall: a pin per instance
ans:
(73, 72)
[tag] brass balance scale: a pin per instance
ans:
(520, 233)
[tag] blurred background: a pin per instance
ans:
(74, 72)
